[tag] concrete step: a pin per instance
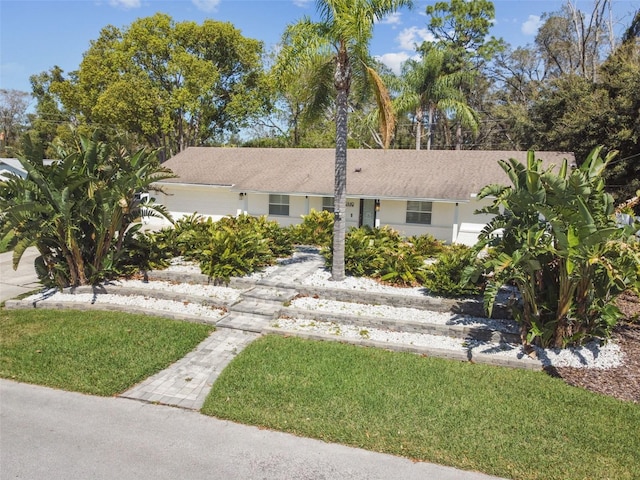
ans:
(270, 294)
(259, 308)
(246, 322)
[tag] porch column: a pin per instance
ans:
(456, 227)
(242, 204)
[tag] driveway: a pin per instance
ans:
(15, 282)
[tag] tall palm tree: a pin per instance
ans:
(338, 44)
(428, 89)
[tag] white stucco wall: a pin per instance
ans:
(394, 213)
(217, 202)
(206, 200)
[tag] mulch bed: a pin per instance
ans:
(622, 382)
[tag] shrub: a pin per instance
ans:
(381, 253)
(230, 242)
(234, 252)
(445, 276)
(190, 234)
(401, 266)
(563, 249)
(427, 245)
(79, 213)
(316, 229)
(278, 239)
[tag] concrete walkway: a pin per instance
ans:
(187, 382)
(16, 282)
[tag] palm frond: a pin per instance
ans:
(386, 116)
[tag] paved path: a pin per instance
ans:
(187, 382)
(16, 282)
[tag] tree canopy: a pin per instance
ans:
(174, 84)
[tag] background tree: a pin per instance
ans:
(174, 84)
(13, 117)
(462, 28)
(302, 88)
(571, 41)
(515, 78)
(427, 90)
(575, 114)
(52, 125)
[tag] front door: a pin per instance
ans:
(367, 213)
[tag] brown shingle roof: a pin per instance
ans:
(435, 174)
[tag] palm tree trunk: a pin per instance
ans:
(342, 81)
(458, 136)
(419, 120)
(430, 128)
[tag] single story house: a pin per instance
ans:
(412, 191)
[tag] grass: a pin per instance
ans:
(100, 353)
(505, 422)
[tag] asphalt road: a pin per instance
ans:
(52, 434)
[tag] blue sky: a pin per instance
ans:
(35, 35)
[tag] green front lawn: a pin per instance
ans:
(505, 422)
(100, 353)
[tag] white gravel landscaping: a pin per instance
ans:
(400, 313)
(321, 278)
(225, 294)
(369, 333)
(591, 355)
(137, 301)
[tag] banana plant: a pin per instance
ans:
(560, 245)
(78, 210)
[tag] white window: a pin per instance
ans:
(279, 205)
(419, 212)
(327, 204)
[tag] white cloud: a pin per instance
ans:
(394, 19)
(126, 4)
(301, 3)
(393, 60)
(410, 37)
(531, 26)
(206, 5)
